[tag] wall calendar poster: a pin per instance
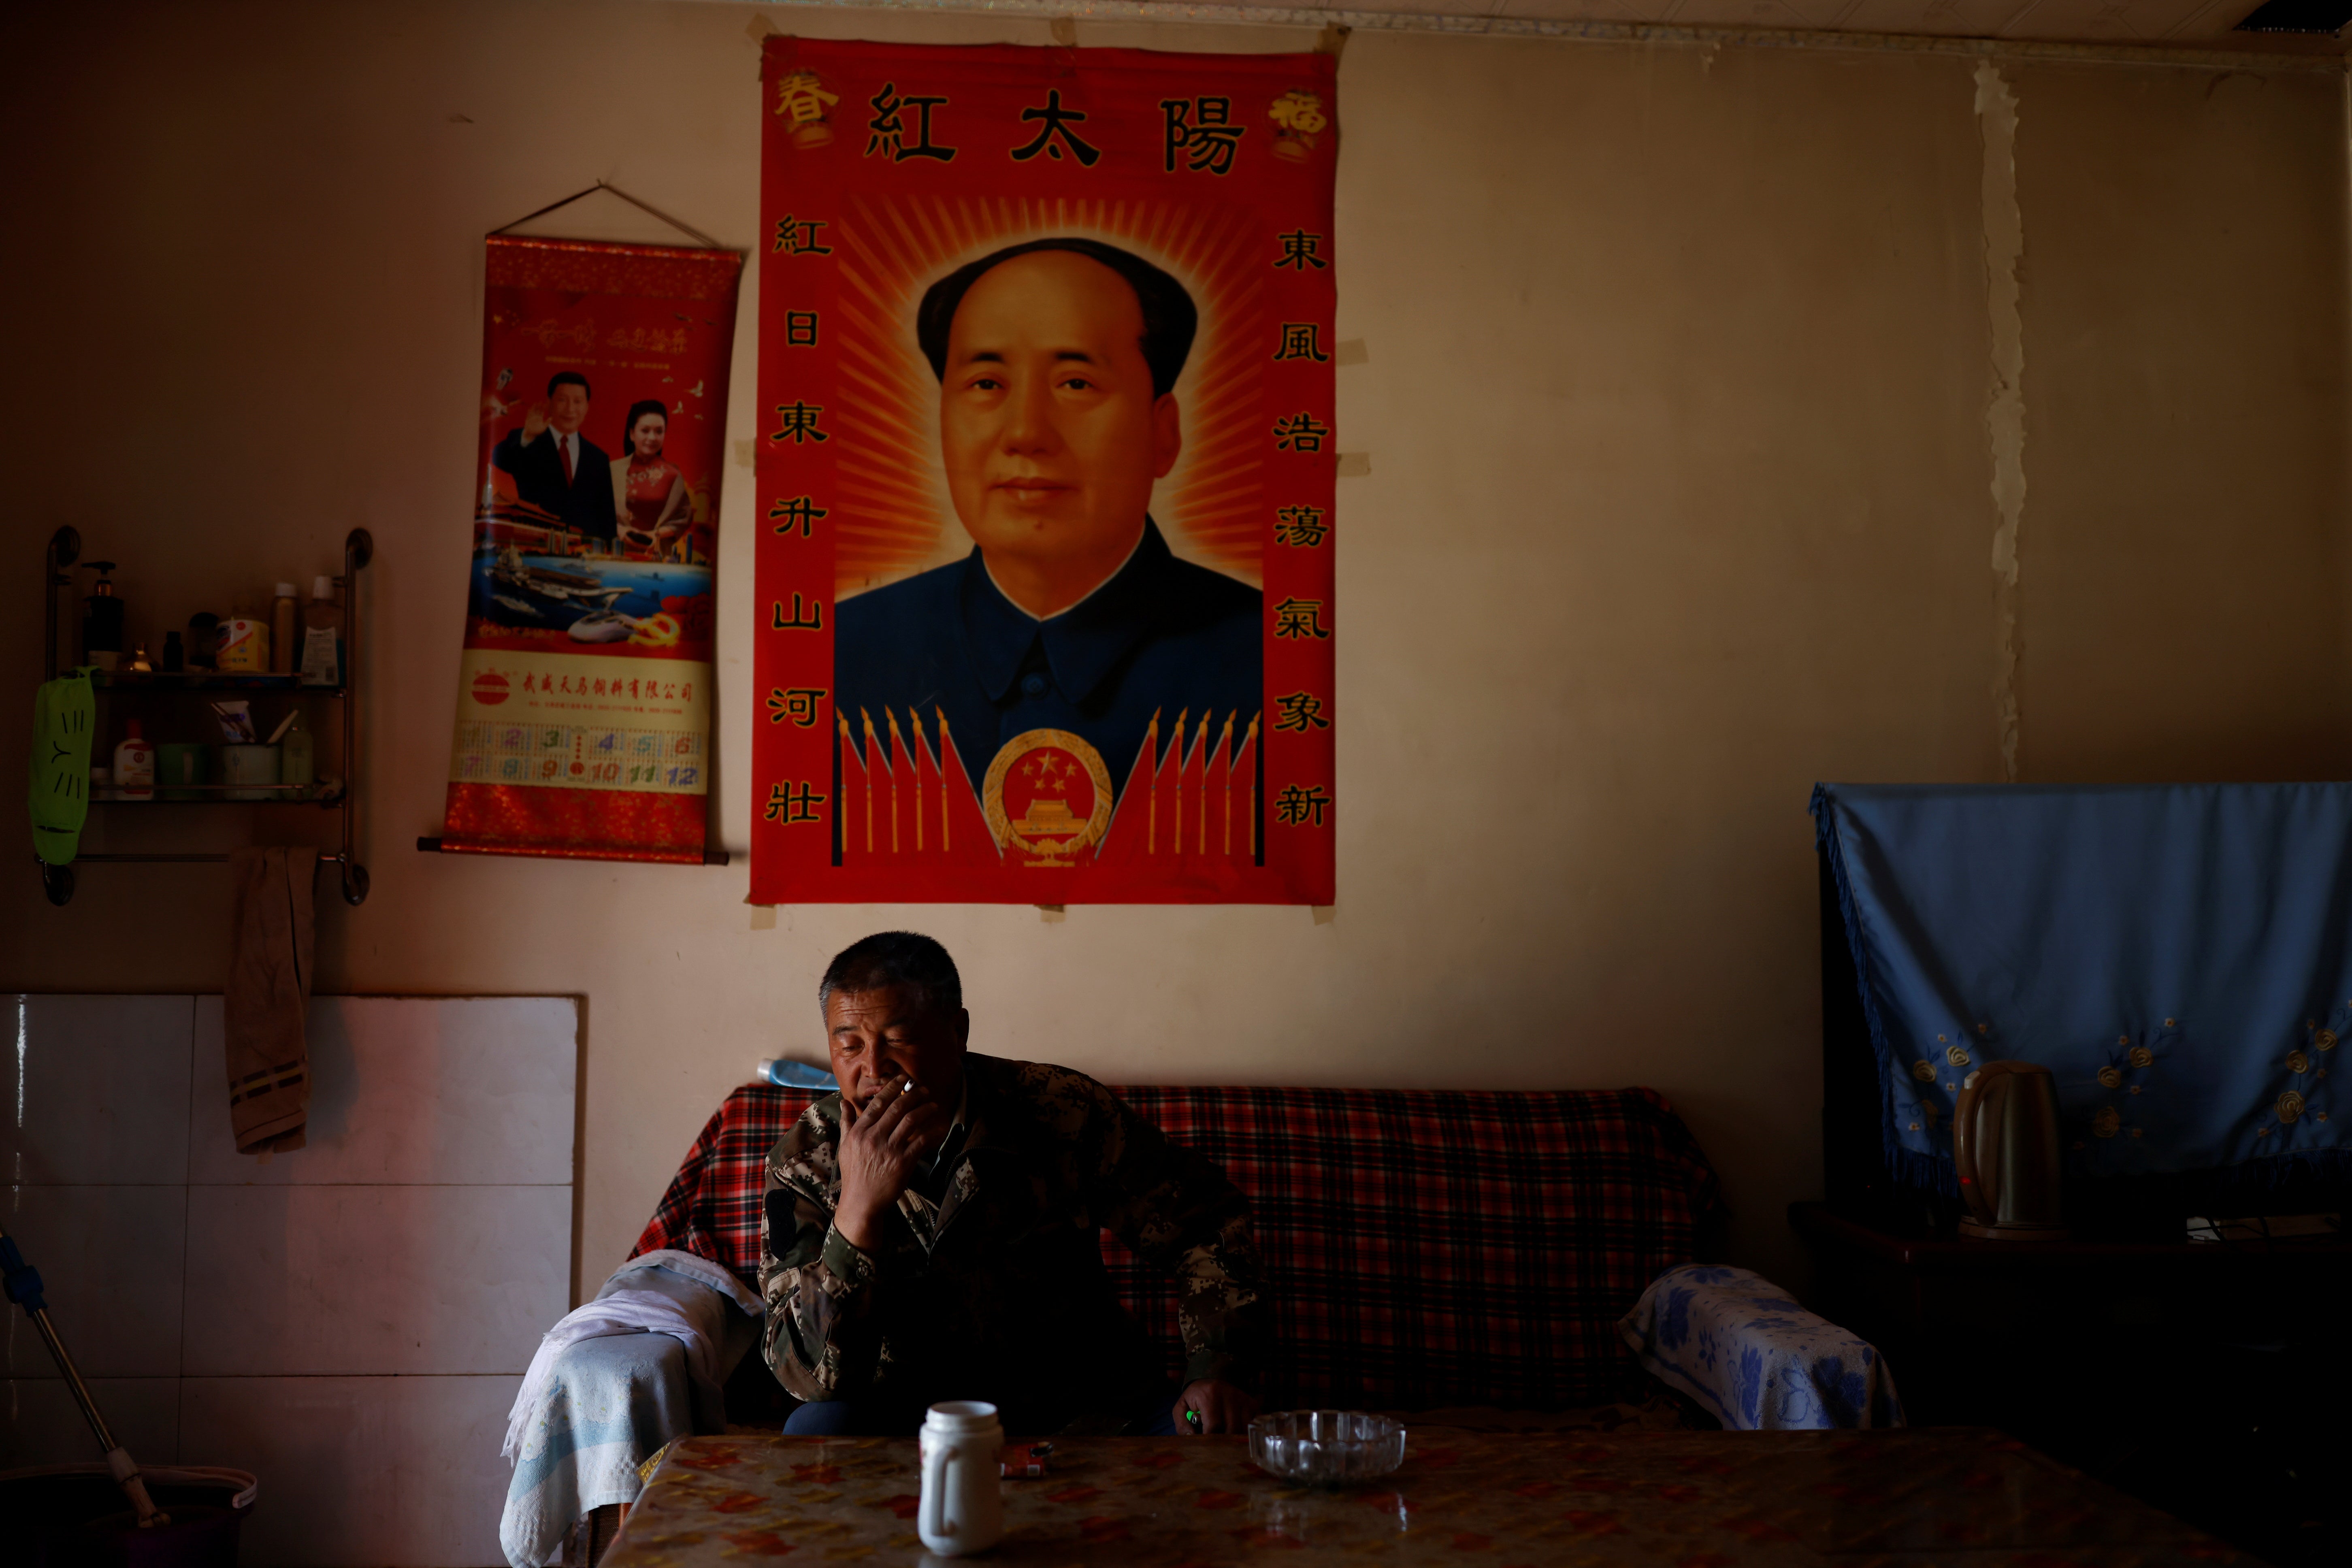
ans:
(1044, 476)
(584, 698)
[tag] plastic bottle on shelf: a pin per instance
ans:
(282, 611)
(245, 643)
(296, 760)
(203, 640)
(102, 616)
(134, 766)
(323, 636)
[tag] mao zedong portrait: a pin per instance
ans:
(1057, 362)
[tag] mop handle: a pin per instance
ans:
(22, 1282)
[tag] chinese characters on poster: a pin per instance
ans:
(583, 704)
(1044, 476)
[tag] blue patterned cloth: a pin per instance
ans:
(2179, 957)
(1735, 1341)
(615, 1398)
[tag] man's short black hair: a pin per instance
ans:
(569, 378)
(1170, 317)
(896, 960)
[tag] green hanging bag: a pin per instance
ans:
(64, 715)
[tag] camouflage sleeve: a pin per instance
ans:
(820, 1338)
(1176, 1210)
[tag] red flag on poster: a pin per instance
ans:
(1134, 816)
(585, 697)
(1047, 456)
(966, 840)
(1217, 796)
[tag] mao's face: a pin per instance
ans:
(1049, 427)
(646, 435)
(567, 407)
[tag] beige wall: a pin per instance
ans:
(1680, 500)
(2185, 606)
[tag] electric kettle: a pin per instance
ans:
(2005, 1143)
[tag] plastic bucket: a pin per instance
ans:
(74, 1516)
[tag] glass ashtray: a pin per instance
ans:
(1326, 1447)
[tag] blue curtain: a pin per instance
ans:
(2179, 956)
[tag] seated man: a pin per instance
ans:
(931, 1232)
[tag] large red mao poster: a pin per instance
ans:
(1044, 476)
(583, 702)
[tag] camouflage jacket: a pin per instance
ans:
(997, 1291)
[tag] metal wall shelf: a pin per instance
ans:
(192, 680)
(359, 548)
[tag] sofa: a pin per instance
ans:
(1495, 1262)
(1425, 1248)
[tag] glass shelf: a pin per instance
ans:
(342, 797)
(200, 680)
(218, 794)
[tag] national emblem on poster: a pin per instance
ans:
(1044, 476)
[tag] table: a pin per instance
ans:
(2205, 1377)
(1692, 1499)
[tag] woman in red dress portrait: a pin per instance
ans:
(650, 491)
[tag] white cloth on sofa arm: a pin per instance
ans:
(612, 1382)
(1735, 1341)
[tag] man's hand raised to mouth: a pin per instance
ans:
(879, 1149)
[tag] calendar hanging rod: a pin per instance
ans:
(431, 846)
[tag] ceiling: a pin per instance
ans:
(2191, 24)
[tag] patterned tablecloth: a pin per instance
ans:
(1689, 1499)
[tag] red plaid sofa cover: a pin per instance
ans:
(1424, 1248)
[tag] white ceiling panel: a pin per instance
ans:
(2102, 21)
(1797, 14)
(2139, 23)
(1935, 18)
(1587, 10)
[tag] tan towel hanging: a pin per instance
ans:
(269, 993)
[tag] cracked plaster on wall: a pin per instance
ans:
(2004, 243)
